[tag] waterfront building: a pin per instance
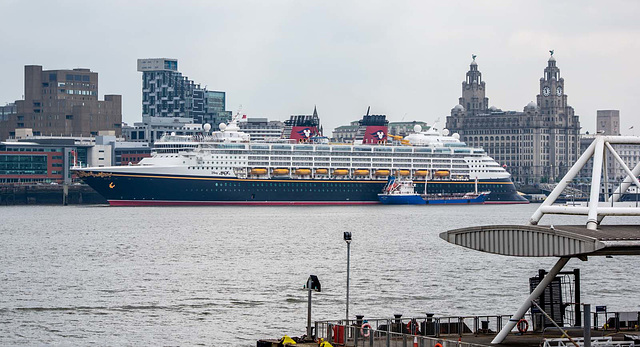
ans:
(62, 102)
(537, 145)
(6, 111)
(167, 93)
(406, 128)
(153, 128)
(33, 158)
(346, 133)
(261, 129)
(608, 123)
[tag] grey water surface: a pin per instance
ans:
(228, 276)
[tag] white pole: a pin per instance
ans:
(624, 166)
(594, 198)
(426, 178)
(309, 310)
(623, 187)
(346, 322)
(584, 158)
(534, 295)
(476, 185)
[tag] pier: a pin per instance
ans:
(589, 328)
(466, 331)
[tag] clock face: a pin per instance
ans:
(546, 91)
(559, 91)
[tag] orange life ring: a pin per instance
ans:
(367, 332)
(523, 326)
(438, 345)
(413, 327)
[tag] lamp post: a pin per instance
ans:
(347, 239)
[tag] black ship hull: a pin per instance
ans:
(131, 189)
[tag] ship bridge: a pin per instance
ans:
(566, 241)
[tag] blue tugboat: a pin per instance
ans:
(402, 192)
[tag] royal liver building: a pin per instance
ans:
(537, 145)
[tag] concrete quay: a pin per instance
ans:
(48, 194)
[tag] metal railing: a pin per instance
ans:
(430, 330)
(355, 336)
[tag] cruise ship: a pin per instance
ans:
(225, 167)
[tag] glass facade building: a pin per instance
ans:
(167, 93)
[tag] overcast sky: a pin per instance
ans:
(405, 59)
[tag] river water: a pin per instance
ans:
(228, 276)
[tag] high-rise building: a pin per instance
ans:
(537, 145)
(167, 93)
(608, 122)
(62, 102)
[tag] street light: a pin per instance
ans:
(312, 285)
(347, 239)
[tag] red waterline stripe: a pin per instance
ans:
(505, 202)
(218, 203)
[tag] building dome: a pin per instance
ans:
(458, 107)
(493, 108)
(552, 58)
(531, 106)
(473, 62)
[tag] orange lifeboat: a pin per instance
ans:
(361, 172)
(321, 171)
(340, 172)
(280, 172)
(382, 172)
(258, 171)
(442, 173)
(421, 173)
(302, 172)
(404, 172)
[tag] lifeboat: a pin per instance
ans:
(280, 172)
(361, 172)
(404, 172)
(382, 172)
(258, 171)
(302, 172)
(442, 173)
(340, 172)
(421, 173)
(322, 171)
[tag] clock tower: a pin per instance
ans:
(555, 136)
(552, 100)
(473, 97)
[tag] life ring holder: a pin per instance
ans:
(523, 326)
(368, 331)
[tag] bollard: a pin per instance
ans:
(485, 326)
(429, 329)
(587, 325)
(398, 323)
